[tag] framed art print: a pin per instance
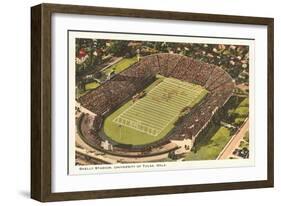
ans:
(137, 102)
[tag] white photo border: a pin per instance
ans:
(62, 182)
(156, 166)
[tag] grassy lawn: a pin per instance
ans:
(245, 141)
(210, 150)
(242, 111)
(244, 103)
(118, 67)
(198, 98)
(150, 118)
(80, 93)
(123, 134)
(91, 85)
(121, 65)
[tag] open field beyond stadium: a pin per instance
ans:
(150, 118)
(213, 143)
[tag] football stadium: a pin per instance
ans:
(157, 105)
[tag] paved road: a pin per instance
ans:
(234, 142)
(89, 151)
(84, 110)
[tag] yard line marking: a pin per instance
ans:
(161, 106)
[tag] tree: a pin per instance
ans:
(119, 48)
(98, 75)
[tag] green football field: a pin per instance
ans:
(152, 117)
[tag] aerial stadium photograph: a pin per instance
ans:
(139, 101)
